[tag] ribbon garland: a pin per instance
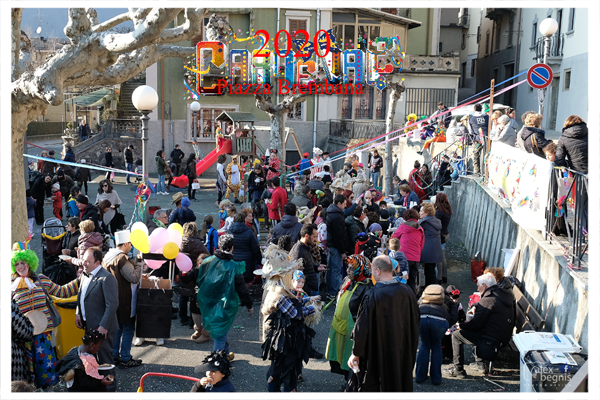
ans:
(143, 193)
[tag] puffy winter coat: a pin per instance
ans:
(432, 250)
(182, 215)
(193, 247)
(289, 225)
(336, 229)
(302, 200)
(353, 228)
(85, 241)
(91, 213)
(495, 314)
(412, 241)
(245, 248)
(405, 201)
(572, 148)
(508, 135)
(528, 133)
(161, 164)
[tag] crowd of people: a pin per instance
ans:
(336, 236)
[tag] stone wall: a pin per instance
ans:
(481, 222)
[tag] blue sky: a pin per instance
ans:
(54, 20)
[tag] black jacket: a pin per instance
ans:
(83, 175)
(70, 242)
(336, 228)
(40, 189)
(572, 148)
(528, 134)
(444, 176)
(128, 156)
(445, 219)
(245, 248)
(177, 156)
(223, 385)
(91, 213)
(353, 228)
(438, 310)
(300, 250)
(182, 215)
(495, 314)
(108, 161)
(252, 185)
(289, 225)
(193, 247)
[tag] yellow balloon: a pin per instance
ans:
(170, 250)
(139, 240)
(176, 227)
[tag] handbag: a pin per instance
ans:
(195, 185)
(54, 314)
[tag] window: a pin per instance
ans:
(497, 40)
(496, 76)
(296, 25)
(440, 47)
(296, 20)
(478, 34)
(534, 34)
(567, 79)
(487, 42)
(571, 19)
(473, 62)
(380, 103)
(559, 15)
(363, 106)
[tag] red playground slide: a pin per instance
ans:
(211, 157)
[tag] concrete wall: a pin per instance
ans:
(482, 223)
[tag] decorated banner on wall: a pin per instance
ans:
(522, 180)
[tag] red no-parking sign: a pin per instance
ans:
(539, 76)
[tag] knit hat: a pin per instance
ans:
(60, 172)
(56, 186)
(433, 294)
(375, 227)
(384, 214)
(185, 202)
(298, 274)
(82, 199)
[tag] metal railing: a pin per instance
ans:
(123, 127)
(567, 213)
(557, 43)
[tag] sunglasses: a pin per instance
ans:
(105, 185)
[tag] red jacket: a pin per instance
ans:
(278, 200)
(412, 241)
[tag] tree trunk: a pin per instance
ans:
(278, 132)
(396, 90)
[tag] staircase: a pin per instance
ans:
(127, 89)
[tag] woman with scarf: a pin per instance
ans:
(416, 182)
(352, 290)
(107, 192)
(29, 291)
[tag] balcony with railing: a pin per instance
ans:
(463, 21)
(496, 13)
(557, 44)
(415, 63)
(116, 128)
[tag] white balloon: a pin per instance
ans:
(140, 226)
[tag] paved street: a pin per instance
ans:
(180, 354)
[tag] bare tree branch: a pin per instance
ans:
(138, 15)
(186, 31)
(111, 23)
(127, 66)
(156, 22)
(78, 26)
(16, 14)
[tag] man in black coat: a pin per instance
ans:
(336, 243)
(84, 130)
(386, 335)
(177, 157)
(245, 246)
(289, 225)
(491, 326)
(128, 162)
(88, 211)
(303, 250)
(65, 182)
(40, 190)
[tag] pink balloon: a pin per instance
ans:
(158, 238)
(154, 264)
(183, 262)
(175, 236)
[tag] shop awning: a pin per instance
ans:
(90, 99)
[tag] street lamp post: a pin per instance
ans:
(195, 107)
(145, 99)
(548, 27)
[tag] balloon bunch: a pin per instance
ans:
(162, 241)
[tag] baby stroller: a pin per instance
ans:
(53, 267)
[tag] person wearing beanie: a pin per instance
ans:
(88, 211)
(183, 214)
(435, 320)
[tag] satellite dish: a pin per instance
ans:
(38, 30)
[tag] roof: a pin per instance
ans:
(90, 99)
(236, 117)
(394, 19)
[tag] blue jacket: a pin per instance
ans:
(411, 196)
(182, 215)
(304, 164)
(245, 248)
(399, 257)
(31, 208)
(289, 225)
(72, 204)
(212, 239)
(432, 250)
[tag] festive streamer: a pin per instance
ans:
(143, 193)
(90, 166)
